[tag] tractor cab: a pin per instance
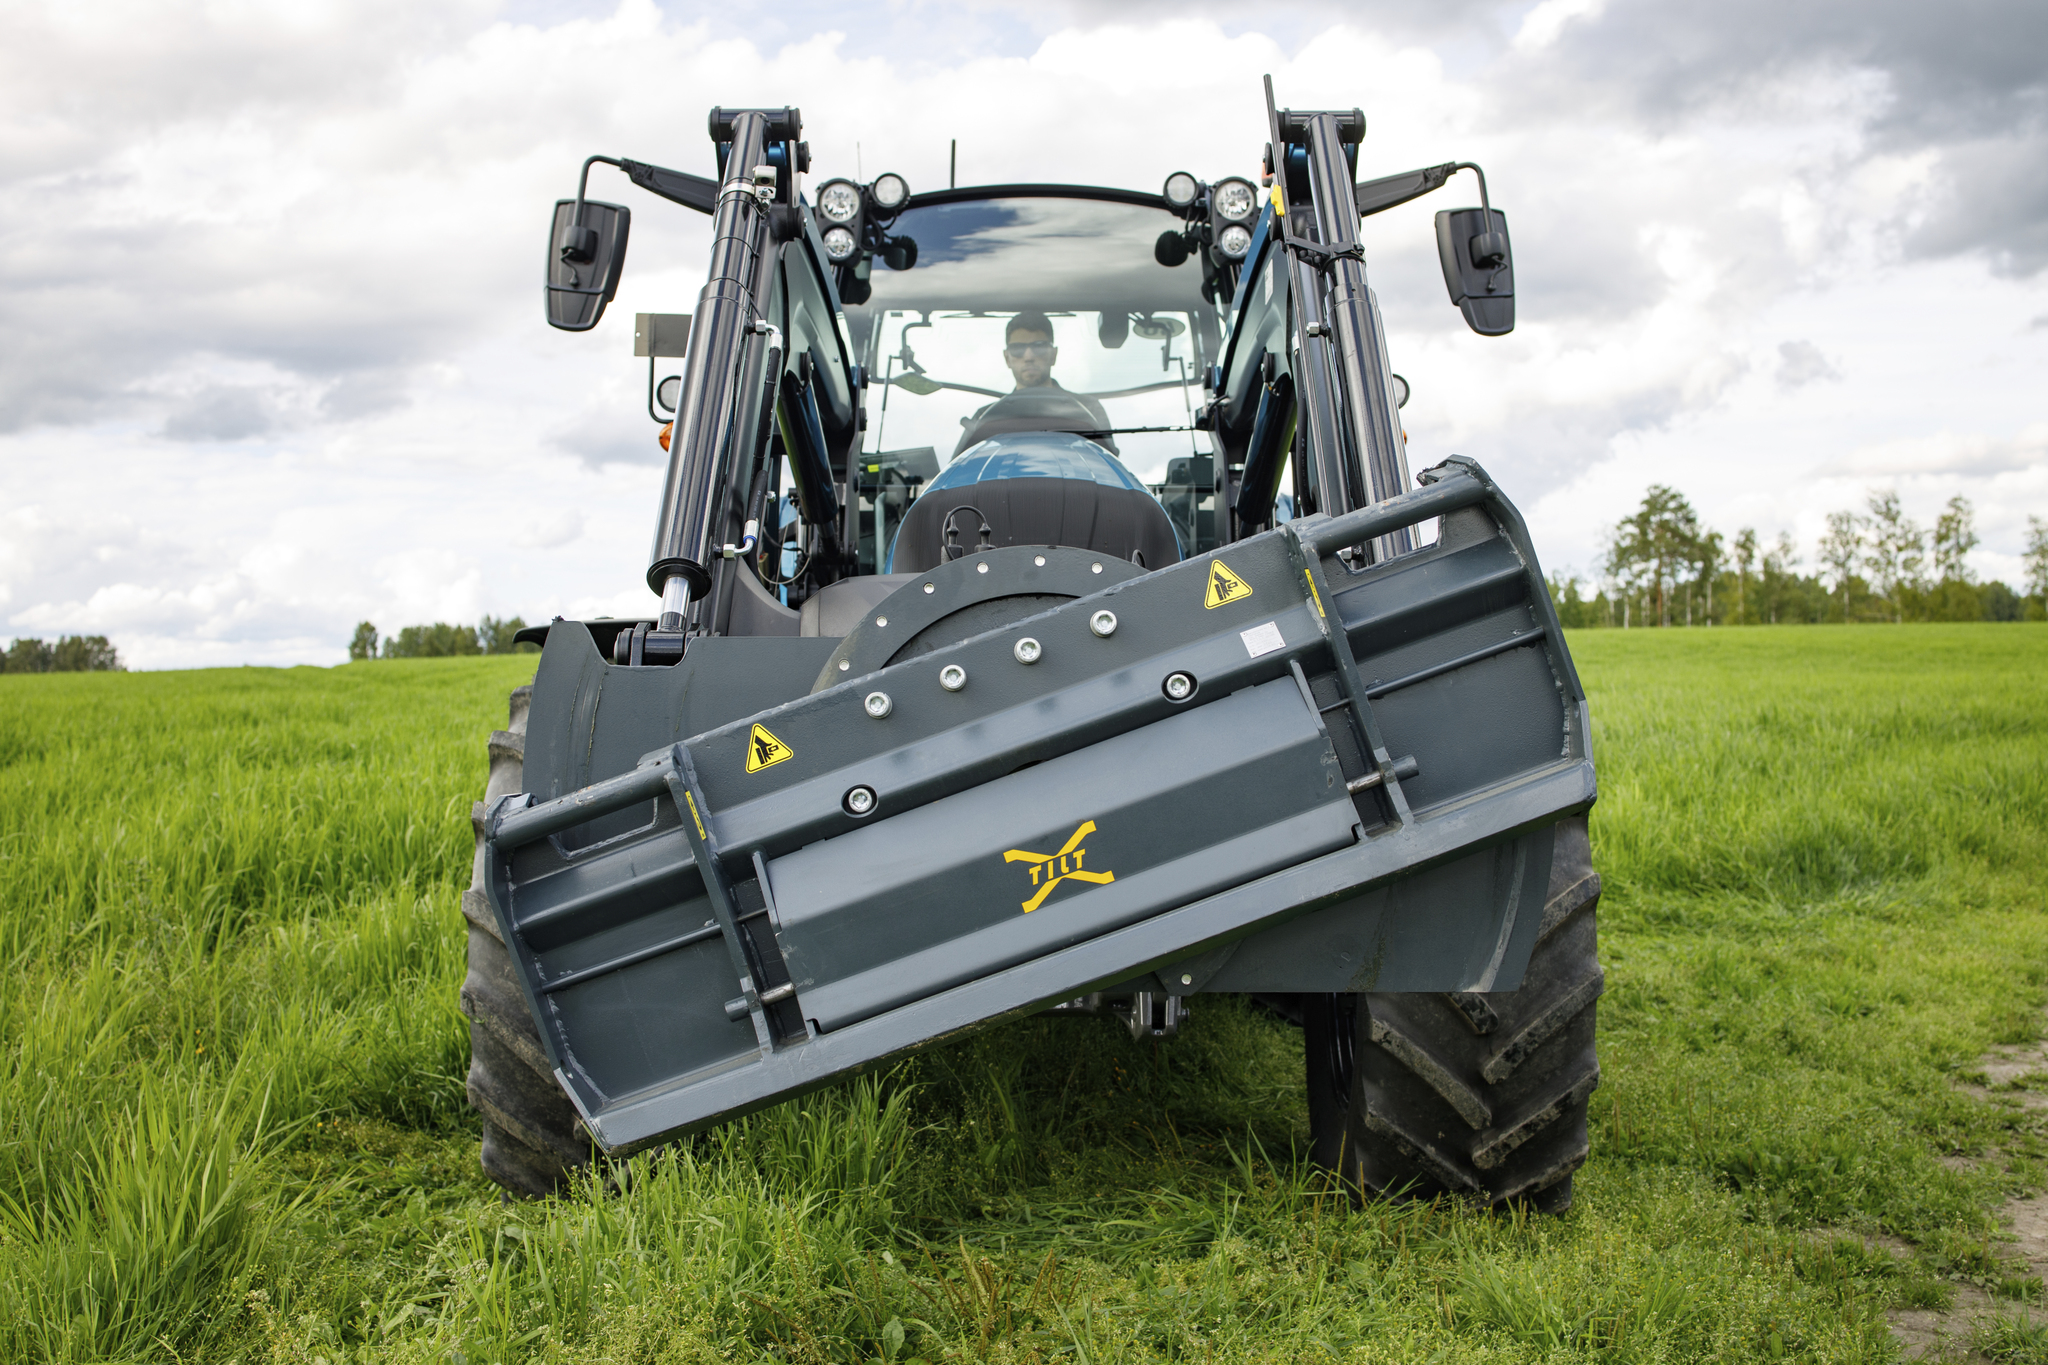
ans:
(1039, 369)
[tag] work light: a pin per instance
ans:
(890, 191)
(1234, 200)
(838, 201)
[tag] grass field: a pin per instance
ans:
(232, 1123)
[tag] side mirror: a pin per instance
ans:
(584, 262)
(1479, 267)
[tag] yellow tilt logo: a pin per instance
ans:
(1050, 869)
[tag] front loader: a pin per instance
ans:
(1048, 621)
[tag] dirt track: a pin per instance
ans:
(1944, 1334)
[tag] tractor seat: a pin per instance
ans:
(1036, 488)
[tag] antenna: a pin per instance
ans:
(1278, 148)
(953, 166)
(1277, 151)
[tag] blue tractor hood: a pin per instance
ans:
(1031, 455)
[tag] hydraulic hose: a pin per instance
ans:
(1359, 354)
(708, 417)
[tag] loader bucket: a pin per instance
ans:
(1259, 770)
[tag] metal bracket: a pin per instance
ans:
(1309, 564)
(682, 788)
(1323, 258)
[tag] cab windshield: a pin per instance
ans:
(1030, 313)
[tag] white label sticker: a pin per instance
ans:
(1262, 639)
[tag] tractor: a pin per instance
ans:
(1047, 621)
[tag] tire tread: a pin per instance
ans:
(533, 1139)
(1482, 1095)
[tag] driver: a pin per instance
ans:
(1038, 403)
(1029, 353)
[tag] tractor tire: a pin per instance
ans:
(1478, 1096)
(532, 1137)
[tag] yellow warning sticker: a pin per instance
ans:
(1224, 586)
(1050, 869)
(765, 750)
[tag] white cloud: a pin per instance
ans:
(1947, 453)
(271, 361)
(545, 533)
(1545, 23)
(1800, 363)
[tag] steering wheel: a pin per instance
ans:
(1039, 409)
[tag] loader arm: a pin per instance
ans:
(1305, 311)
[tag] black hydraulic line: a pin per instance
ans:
(1266, 454)
(1318, 411)
(1358, 358)
(805, 439)
(1321, 415)
(708, 418)
(760, 364)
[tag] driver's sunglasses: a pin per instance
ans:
(1017, 350)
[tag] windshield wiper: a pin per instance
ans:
(1117, 431)
(922, 384)
(1145, 388)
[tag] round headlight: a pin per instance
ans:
(890, 191)
(840, 246)
(1181, 189)
(1233, 241)
(838, 201)
(1234, 199)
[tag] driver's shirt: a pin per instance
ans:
(1098, 418)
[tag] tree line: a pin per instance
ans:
(1664, 567)
(70, 654)
(440, 640)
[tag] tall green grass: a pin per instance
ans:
(224, 915)
(1815, 762)
(232, 1123)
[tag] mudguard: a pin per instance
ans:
(1357, 794)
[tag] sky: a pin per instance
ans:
(272, 358)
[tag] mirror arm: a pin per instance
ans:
(1485, 204)
(678, 187)
(583, 184)
(1376, 196)
(1489, 238)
